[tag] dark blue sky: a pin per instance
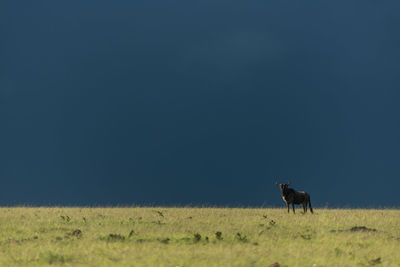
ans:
(199, 102)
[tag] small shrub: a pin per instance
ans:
(338, 252)
(159, 213)
(197, 237)
(131, 233)
(76, 233)
(375, 261)
(241, 238)
(361, 229)
(165, 240)
(65, 218)
(114, 237)
(54, 258)
(218, 235)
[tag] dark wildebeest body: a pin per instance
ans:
(291, 196)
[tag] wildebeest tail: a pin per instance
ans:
(309, 204)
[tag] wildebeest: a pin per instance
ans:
(291, 196)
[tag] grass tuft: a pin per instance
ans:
(54, 258)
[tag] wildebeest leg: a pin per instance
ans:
(304, 207)
(293, 207)
(287, 207)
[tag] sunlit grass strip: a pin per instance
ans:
(159, 236)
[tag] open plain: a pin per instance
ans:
(160, 236)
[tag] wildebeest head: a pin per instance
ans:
(283, 187)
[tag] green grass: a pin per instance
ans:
(158, 236)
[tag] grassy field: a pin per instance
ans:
(158, 236)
